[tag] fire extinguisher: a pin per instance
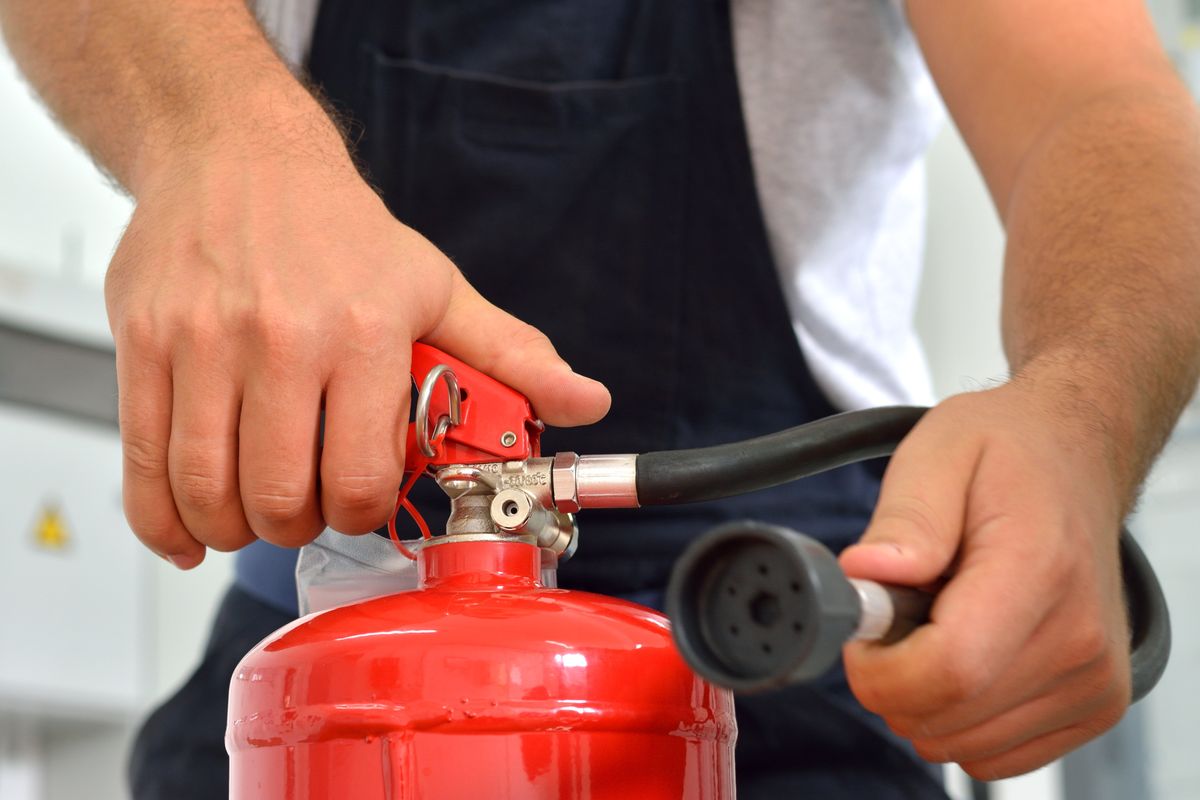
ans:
(488, 682)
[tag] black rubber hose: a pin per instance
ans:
(711, 473)
(1149, 618)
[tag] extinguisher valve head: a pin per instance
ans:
(507, 500)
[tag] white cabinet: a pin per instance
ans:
(73, 579)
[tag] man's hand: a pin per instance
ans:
(262, 282)
(1026, 656)
(1088, 142)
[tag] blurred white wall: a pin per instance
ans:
(958, 310)
(57, 213)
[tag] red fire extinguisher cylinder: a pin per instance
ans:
(483, 683)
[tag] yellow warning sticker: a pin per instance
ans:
(50, 531)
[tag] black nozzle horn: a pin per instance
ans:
(756, 606)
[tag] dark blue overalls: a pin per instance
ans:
(585, 164)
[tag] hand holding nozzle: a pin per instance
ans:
(757, 606)
(770, 607)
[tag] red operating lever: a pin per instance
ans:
(496, 423)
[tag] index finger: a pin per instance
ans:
(145, 393)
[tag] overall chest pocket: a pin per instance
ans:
(562, 203)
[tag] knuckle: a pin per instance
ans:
(199, 484)
(202, 331)
(145, 457)
(138, 355)
(1053, 572)
(1089, 645)
(367, 325)
(917, 513)
(528, 337)
(963, 678)
(276, 333)
(241, 317)
(139, 332)
(200, 490)
(521, 343)
(277, 502)
(361, 493)
(1058, 561)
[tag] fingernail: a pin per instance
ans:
(895, 548)
(183, 562)
(575, 375)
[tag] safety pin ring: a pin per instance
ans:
(443, 425)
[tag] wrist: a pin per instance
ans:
(272, 117)
(1096, 414)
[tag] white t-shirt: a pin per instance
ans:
(839, 111)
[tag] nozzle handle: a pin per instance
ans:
(756, 607)
(889, 613)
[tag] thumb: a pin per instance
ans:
(517, 354)
(917, 526)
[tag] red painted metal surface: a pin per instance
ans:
(490, 409)
(482, 684)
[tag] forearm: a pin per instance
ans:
(1102, 269)
(139, 82)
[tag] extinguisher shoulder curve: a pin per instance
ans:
(453, 661)
(533, 615)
